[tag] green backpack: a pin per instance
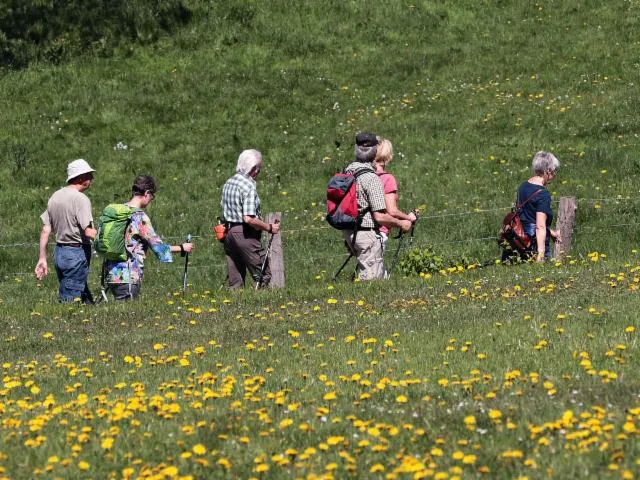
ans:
(113, 222)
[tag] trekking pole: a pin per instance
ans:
(401, 237)
(264, 262)
(186, 266)
(103, 283)
(416, 212)
(395, 254)
(343, 265)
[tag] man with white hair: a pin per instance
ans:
(241, 214)
(68, 214)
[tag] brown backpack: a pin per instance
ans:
(512, 235)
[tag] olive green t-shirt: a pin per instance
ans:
(68, 213)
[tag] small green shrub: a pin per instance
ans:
(426, 260)
(57, 30)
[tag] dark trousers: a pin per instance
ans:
(125, 291)
(243, 252)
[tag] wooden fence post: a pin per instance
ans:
(565, 224)
(276, 260)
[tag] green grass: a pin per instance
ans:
(467, 92)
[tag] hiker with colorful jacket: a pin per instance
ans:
(244, 225)
(384, 155)
(366, 241)
(69, 216)
(536, 214)
(123, 277)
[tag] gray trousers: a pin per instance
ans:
(243, 251)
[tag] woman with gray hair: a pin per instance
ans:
(535, 206)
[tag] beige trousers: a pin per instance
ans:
(368, 252)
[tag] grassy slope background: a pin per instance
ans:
(467, 92)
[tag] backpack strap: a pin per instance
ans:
(361, 171)
(134, 211)
(357, 173)
(530, 197)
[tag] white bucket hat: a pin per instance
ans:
(77, 168)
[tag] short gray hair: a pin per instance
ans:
(365, 154)
(248, 160)
(544, 162)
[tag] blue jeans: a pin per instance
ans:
(72, 268)
(530, 229)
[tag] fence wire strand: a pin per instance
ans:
(325, 227)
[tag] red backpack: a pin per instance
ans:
(342, 201)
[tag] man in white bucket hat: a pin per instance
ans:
(68, 214)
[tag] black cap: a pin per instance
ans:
(366, 139)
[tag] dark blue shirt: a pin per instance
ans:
(539, 203)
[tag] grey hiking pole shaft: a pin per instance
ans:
(186, 266)
(342, 266)
(395, 254)
(263, 268)
(413, 227)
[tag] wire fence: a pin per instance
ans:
(314, 229)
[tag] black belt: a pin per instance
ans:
(75, 245)
(233, 224)
(366, 229)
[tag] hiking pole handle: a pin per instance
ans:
(416, 213)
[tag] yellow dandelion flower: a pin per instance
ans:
(469, 459)
(107, 443)
(287, 422)
(170, 471)
(330, 396)
(199, 449)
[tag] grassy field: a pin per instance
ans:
(500, 372)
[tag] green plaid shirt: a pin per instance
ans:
(240, 198)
